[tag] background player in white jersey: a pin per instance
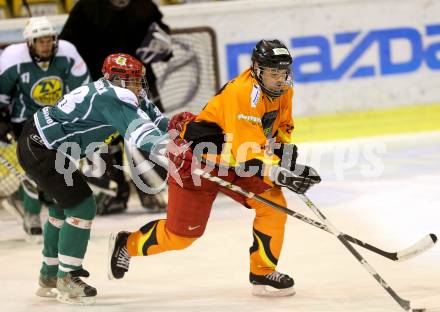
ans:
(34, 74)
(83, 119)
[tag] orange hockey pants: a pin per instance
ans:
(188, 212)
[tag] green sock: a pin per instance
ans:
(74, 236)
(50, 248)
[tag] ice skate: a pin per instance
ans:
(118, 257)
(72, 290)
(48, 286)
(32, 228)
(274, 284)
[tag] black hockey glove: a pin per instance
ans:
(5, 128)
(156, 46)
(298, 181)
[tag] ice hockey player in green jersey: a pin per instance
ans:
(35, 74)
(56, 136)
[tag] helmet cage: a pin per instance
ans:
(280, 88)
(125, 71)
(126, 81)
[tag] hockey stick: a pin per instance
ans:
(418, 248)
(404, 304)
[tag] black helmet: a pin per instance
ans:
(273, 55)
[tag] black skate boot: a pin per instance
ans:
(73, 290)
(274, 284)
(119, 259)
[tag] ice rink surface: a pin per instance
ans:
(385, 191)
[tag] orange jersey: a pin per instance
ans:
(247, 117)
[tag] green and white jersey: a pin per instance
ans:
(95, 114)
(28, 87)
(155, 115)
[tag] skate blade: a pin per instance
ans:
(65, 298)
(34, 239)
(46, 292)
(111, 247)
(268, 291)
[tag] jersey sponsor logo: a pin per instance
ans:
(252, 119)
(354, 54)
(255, 95)
(47, 91)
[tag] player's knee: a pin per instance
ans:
(176, 242)
(56, 212)
(182, 243)
(270, 215)
(279, 217)
(56, 216)
(86, 210)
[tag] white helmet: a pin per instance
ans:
(37, 27)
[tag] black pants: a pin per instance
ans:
(17, 128)
(39, 164)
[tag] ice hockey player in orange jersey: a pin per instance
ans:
(247, 129)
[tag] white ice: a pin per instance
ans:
(390, 208)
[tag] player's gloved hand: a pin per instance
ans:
(156, 46)
(179, 120)
(298, 181)
(287, 153)
(180, 156)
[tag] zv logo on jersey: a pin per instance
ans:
(47, 91)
